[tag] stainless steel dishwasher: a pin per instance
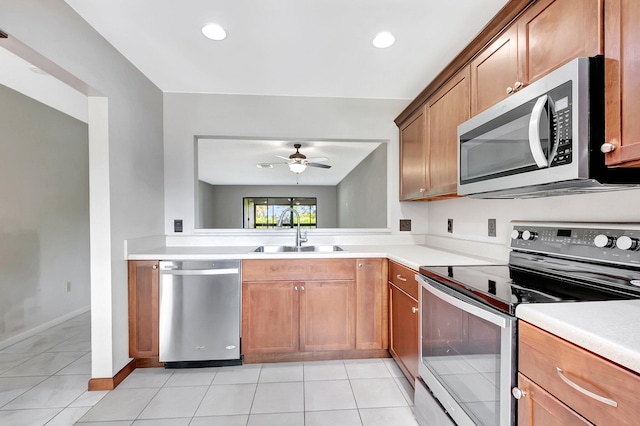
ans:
(200, 313)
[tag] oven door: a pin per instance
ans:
(467, 356)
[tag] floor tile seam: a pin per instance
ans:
(356, 402)
(17, 365)
(27, 390)
(143, 408)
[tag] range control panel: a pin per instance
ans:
(610, 243)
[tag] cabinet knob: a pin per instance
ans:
(607, 147)
(422, 190)
(154, 267)
(359, 265)
(518, 393)
(414, 310)
(302, 288)
(295, 288)
(517, 85)
(509, 90)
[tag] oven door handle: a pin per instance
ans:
(469, 306)
(535, 144)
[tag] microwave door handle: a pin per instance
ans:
(535, 144)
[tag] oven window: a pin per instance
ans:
(462, 351)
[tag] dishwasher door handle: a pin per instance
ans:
(200, 271)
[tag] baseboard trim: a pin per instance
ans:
(315, 356)
(40, 328)
(110, 383)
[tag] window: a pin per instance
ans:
(264, 212)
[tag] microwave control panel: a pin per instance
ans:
(562, 123)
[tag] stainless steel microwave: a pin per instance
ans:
(543, 140)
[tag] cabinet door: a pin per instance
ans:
(448, 108)
(539, 408)
(144, 304)
(327, 315)
(552, 32)
(622, 70)
(269, 317)
(404, 339)
(413, 156)
(494, 71)
(372, 309)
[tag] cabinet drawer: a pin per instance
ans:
(541, 354)
(298, 269)
(404, 278)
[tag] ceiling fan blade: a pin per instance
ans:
(317, 159)
(322, 166)
(284, 158)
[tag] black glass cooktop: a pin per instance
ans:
(532, 278)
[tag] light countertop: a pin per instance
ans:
(610, 329)
(412, 256)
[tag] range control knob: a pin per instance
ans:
(516, 235)
(604, 241)
(529, 235)
(627, 243)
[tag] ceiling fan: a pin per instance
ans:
(298, 162)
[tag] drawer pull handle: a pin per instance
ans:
(401, 278)
(580, 389)
(414, 310)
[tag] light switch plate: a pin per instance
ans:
(450, 226)
(405, 224)
(177, 225)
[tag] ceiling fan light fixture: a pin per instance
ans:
(297, 167)
(214, 32)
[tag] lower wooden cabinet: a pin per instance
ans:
(313, 309)
(404, 337)
(144, 305)
(564, 384)
(404, 319)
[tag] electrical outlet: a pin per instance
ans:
(177, 225)
(491, 227)
(450, 226)
(405, 224)
(68, 286)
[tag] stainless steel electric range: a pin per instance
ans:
(468, 326)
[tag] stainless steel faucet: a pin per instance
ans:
(299, 238)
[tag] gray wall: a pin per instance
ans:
(44, 218)
(134, 164)
(366, 185)
(221, 205)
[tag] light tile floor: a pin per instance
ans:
(43, 381)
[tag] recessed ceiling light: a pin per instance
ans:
(383, 40)
(214, 32)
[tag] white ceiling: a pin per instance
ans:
(233, 162)
(290, 47)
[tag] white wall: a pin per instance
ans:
(132, 162)
(44, 218)
(470, 215)
(187, 115)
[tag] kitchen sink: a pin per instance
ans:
(294, 249)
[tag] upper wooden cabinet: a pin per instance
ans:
(547, 35)
(429, 142)
(494, 72)
(622, 79)
(413, 156)
(449, 107)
